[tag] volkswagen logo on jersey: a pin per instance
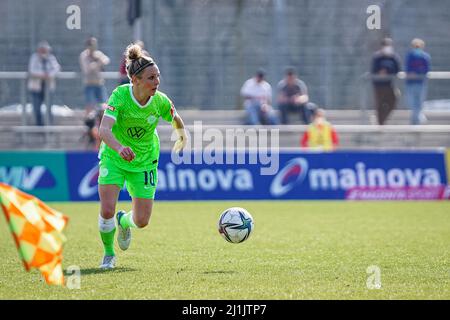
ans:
(136, 132)
(291, 175)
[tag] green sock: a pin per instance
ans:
(107, 228)
(108, 242)
(126, 221)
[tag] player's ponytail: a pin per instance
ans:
(137, 60)
(134, 52)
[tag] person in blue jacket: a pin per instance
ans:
(417, 65)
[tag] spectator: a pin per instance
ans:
(293, 97)
(320, 133)
(257, 94)
(385, 66)
(92, 63)
(418, 64)
(123, 66)
(42, 69)
(123, 72)
(92, 122)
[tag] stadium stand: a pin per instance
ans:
(68, 132)
(203, 68)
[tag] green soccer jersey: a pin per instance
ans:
(135, 127)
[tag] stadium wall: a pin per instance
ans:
(343, 175)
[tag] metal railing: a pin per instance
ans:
(23, 132)
(351, 136)
(23, 76)
(366, 97)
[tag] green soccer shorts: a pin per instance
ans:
(139, 184)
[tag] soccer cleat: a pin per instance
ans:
(124, 234)
(109, 262)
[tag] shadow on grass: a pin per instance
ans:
(98, 271)
(219, 272)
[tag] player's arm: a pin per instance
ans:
(178, 126)
(107, 136)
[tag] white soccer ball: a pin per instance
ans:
(236, 224)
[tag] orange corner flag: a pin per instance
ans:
(37, 232)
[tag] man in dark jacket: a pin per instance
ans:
(385, 66)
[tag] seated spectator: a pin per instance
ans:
(293, 97)
(91, 137)
(257, 94)
(320, 133)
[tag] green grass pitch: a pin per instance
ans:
(298, 250)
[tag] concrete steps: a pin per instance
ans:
(236, 117)
(68, 132)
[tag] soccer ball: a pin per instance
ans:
(235, 224)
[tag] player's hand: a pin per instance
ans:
(127, 154)
(180, 144)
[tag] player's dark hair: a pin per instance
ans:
(137, 60)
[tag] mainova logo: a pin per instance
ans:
(171, 178)
(296, 171)
(27, 178)
(291, 175)
(88, 185)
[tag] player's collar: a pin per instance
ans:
(137, 102)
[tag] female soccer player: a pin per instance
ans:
(130, 150)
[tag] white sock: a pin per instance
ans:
(106, 225)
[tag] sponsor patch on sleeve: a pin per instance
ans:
(111, 108)
(172, 109)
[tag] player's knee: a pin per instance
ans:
(107, 213)
(141, 222)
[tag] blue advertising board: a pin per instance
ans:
(360, 176)
(352, 175)
(41, 174)
(337, 175)
(82, 169)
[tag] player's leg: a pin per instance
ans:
(142, 188)
(139, 216)
(142, 210)
(108, 198)
(110, 181)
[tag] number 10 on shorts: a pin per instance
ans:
(149, 178)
